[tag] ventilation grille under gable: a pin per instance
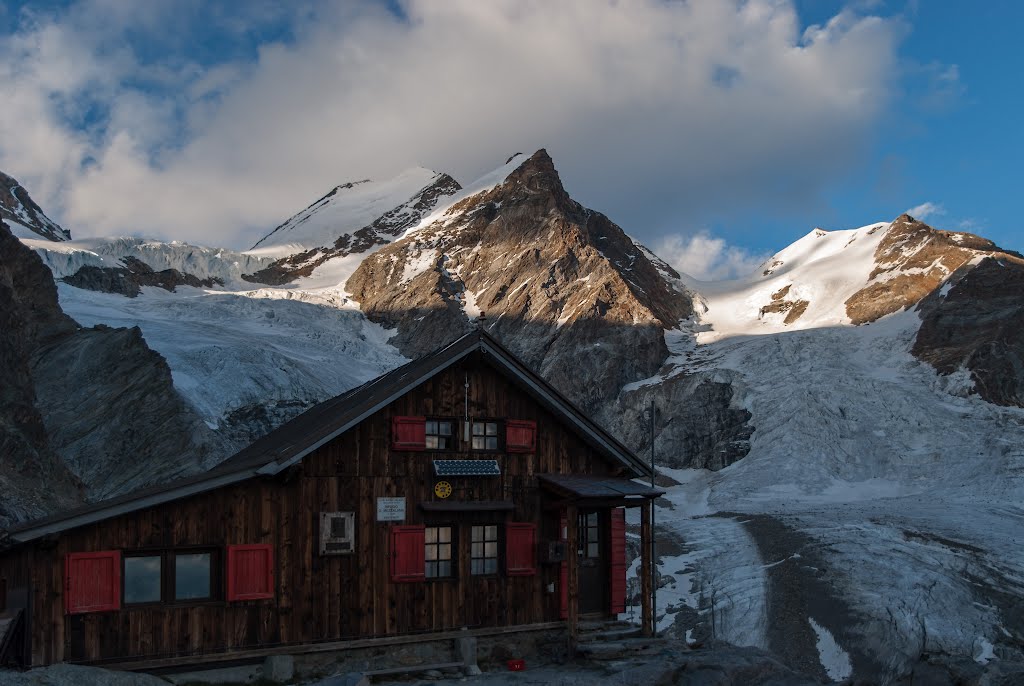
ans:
(337, 533)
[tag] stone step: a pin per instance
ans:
(603, 625)
(614, 650)
(611, 634)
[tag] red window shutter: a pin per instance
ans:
(520, 436)
(563, 572)
(408, 433)
(92, 582)
(407, 553)
(521, 549)
(618, 561)
(250, 572)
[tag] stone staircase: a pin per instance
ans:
(613, 640)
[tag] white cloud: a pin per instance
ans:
(655, 113)
(926, 210)
(706, 257)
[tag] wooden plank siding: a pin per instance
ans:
(323, 598)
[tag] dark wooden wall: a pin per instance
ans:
(321, 598)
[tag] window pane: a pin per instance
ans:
(492, 429)
(430, 552)
(142, 579)
(478, 429)
(430, 570)
(430, 534)
(592, 534)
(478, 443)
(477, 567)
(477, 550)
(444, 428)
(444, 551)
(478, 533)
(444, 568)
(191, 576)
(492, 533)
(431, 442)
(592, 519)
(490, 549)
(431, 427)
(592, 550)
(492, 443)
(445, 534)
(490, 566)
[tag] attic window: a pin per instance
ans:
(485, 435)
(440, 434)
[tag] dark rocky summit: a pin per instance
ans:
(33, 478)
(17, 206)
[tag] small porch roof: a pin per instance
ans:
(587, 487)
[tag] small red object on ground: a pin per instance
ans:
(516, 665)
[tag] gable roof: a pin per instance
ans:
(290, 442)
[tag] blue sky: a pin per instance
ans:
(717, 132)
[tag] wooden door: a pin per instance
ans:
(592, 553)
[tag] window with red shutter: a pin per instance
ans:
(92, 582)
(618, 560)
(408, 546)
(250, 572)
(520, 549)
(408, 433)
(520, 436)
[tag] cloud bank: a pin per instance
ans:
(655, 113)
(706, 257)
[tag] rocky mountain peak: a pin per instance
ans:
(562, 285)
(913, 260)
(18, 208)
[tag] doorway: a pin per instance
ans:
(592, 553)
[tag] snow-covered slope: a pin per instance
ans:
(344, 210)
(804, 286)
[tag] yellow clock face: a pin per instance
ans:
(442, 489)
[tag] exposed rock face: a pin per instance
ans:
(561, 285)
(113, 415)
(33, 479)
(698, 425)
(912, 261)
(778, 304)
(17, 206)
(130, 279)
(380, 232)
(978, 325)
(94, 405)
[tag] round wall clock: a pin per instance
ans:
(442, 489)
